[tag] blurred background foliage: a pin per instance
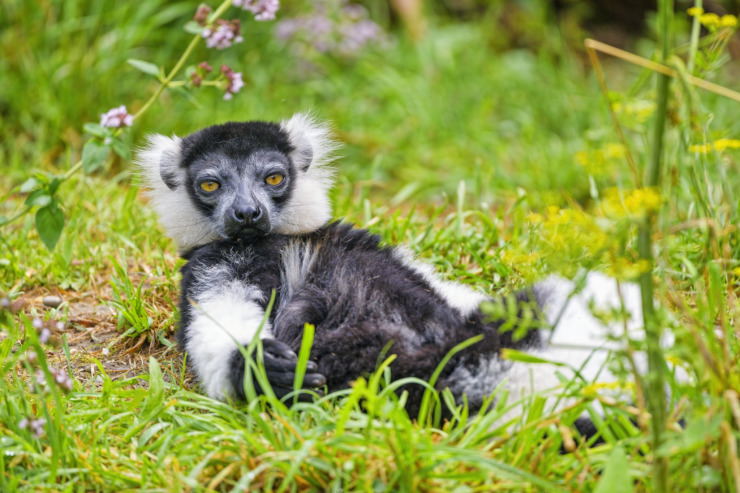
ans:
(496, 94)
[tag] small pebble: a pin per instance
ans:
(52, 301)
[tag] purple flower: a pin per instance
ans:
(5, 303)
(225, 34)
(263, 10)
(334, 26)
(37, 323)
(36, 425)
(62, 379)
(234, 79)
(201, 15)
(117, 117)
(44, 335)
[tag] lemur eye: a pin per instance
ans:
(209, 186)
(275, 179)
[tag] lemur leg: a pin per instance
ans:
(223, 316)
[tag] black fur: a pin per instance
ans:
(360, 297)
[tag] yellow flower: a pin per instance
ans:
(624, 269)
(723, 144)
(728, 21)
(718, 145)
(710, 20)
(736, 271)
(599, 162)
(618, 203)
(700, 148)
(695, 11)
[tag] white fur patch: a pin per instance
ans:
(462, 298)
(574, 324)
(309, 207)
(177, 214)
(221, 316)
(298, 260)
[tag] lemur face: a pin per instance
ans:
(240, 179)
(239, 176)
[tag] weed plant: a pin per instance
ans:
(498, 165)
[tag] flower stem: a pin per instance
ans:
(181, 62)
(694, 43)
(655, 379)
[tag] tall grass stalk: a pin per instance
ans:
(655, 386)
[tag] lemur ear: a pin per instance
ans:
(311, 141)
(159, 162)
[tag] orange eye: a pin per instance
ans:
(209, 186)
(275, 179)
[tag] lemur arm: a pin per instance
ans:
(219, 311)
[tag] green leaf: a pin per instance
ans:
(616, 477)
(39, 198)
(29, 185)
(93, 155)
(514, 355)
(122, 149)
(156, 385)
(3, 220)
(146, 67)
(54, 186)
(49, 224)
(96, 129)
(193, 27)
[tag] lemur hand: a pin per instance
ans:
(280, 367)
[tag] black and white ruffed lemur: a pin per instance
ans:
(248, 205)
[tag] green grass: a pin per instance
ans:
(464, 147)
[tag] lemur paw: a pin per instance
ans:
(280, 367)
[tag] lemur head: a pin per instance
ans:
(240, 179)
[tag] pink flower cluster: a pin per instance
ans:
(263, 10)
(35, 424)
(117, 117)
(202, 70)
(225, 34)
(234, 79)
(335, 26)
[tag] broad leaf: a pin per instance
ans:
(616, 477)
(29, 185)
(49, 224)
(39, 198)
(122, 149)
(93, 155)
(96, 129)
(146, 67)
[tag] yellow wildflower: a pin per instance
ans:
(695, 11)
(718, 145)
(710, 20)
(728, 21)
(723, 144)
(599, 162)
(736, 271)
(630, 203)
(534, 218)
(700, 148)
(625, 269)
(592, 390)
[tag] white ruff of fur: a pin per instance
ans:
(308, 207)
(177, 214)
(222, 316)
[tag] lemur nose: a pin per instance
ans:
(248, 215)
